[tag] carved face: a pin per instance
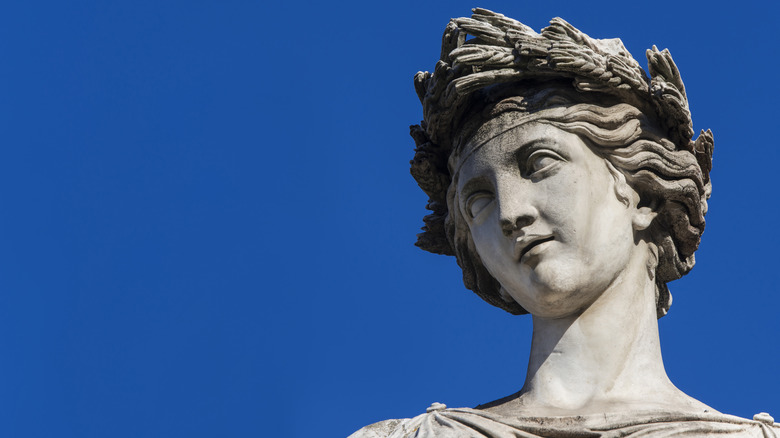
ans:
(545, 217)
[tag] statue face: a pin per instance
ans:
(545, 218)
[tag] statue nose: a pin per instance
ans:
(516, 215)
(515, 203)
(510, 226)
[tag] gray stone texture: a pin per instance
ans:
(567, 183)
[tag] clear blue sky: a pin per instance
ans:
(208, 221)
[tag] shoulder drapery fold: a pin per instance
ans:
(471, 423)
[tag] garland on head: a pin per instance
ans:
(504, 50)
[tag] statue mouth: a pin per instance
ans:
(527, 243)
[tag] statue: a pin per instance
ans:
(566, 183)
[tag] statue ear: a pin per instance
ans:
(643, 217)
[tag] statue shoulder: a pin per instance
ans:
(398, 428)
(465, 422)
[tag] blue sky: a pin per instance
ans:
(208, 217)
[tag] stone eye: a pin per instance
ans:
(541, 160)
(477, 203)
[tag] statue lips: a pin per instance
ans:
(526, 243)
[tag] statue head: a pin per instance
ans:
(508, 83)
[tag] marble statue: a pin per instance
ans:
(568, 185)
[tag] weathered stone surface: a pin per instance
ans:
(567, 183)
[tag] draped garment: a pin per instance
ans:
(473, 423)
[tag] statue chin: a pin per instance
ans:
(568, 185)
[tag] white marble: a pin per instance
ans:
(568, 184)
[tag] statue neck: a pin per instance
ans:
(607, 355)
